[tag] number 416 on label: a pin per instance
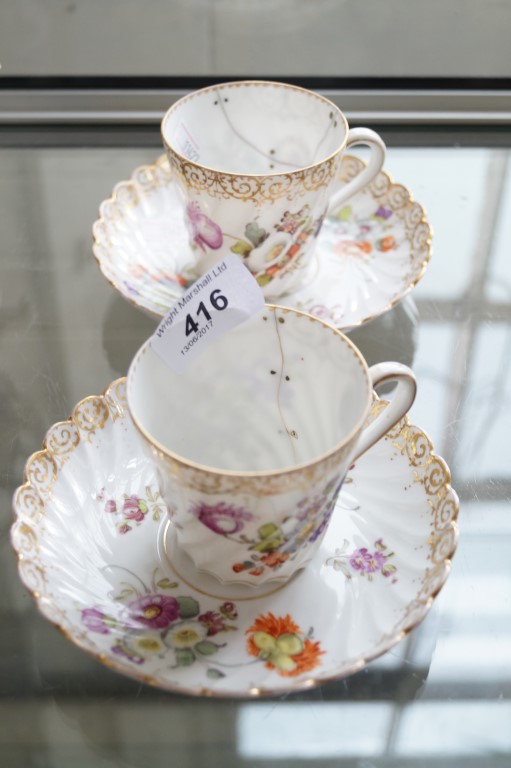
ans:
(217, 300)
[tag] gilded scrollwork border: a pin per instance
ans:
(428, 469)
(145, 179)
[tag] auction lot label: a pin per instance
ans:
(224, 297)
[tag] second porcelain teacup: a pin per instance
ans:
(254, 439)
(257, 164)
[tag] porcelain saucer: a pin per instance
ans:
(368, 256)
(90, 533)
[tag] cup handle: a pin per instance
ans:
(376, 159)
(399, 405)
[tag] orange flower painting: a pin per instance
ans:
(387, 243)
(280, 643)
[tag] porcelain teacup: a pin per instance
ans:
(253, 440)
(257, 165)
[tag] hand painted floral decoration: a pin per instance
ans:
(154, 621)
(359, 242)
(296, 227)
(204, 232)
(221, 518)
(273, 545)
(280, 643)
(364, 562)
(361, 237)
(131, 510)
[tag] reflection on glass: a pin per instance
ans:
(474, 607)
(451, 186)
(498, 287)
(483, 447)
(455, 728)
(436, 342)
(312, 730)
(436, 699)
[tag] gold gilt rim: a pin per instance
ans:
(285, 472)
(388, 641)
(263, 84)
(162, 161)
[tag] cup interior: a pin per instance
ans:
(254, 128)
(280, 390)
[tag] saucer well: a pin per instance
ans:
(368, 256)
(90, 534)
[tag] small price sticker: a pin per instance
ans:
(186, 143)
(224, 297)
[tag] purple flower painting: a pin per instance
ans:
(222, 518)
(203, 230)
(154, 611)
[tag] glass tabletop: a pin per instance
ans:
(438, 698)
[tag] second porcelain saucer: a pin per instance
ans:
(368, 256)
(90, 533)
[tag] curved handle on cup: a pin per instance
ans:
(376, 159)
(400, 404)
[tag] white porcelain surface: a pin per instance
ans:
(279, 390)
(257, 167)
(254, 127)
(253, 440)
(367, 258)
(90, 539)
